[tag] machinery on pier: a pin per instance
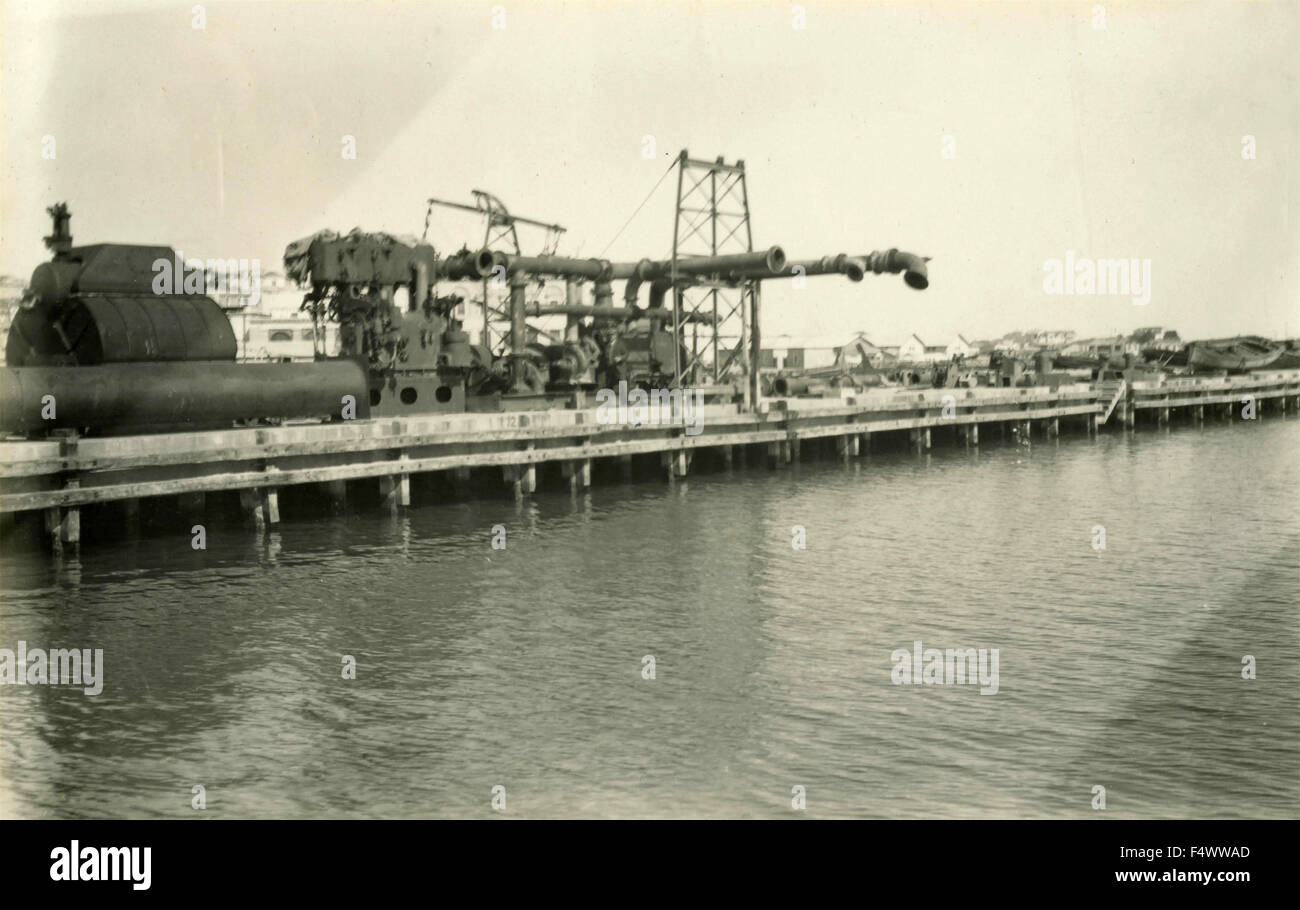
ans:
(98, 345)
(419, 358)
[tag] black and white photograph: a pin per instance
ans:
(672, 410)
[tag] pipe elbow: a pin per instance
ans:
(913, 267)
(640, 272)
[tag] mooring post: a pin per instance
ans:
(271, 500)
(53, 526)
(679, 462)
(70, 524)
(973, 434)
(389, 492)
(578, 473)
(69, 517)
(512, 475)
(271, 504)
(404, 484)
(528, 473)
(1054, 427)
(864, 442)
(251, 502)
(847, 446)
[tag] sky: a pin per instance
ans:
(994, 137)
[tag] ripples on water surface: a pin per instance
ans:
(523, 667)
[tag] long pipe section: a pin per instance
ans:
(157, 394)
(767, 262)
(607, 314)
(911, 265)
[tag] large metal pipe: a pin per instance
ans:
(765, 263)
(558, 267)
(912, 266)
(843, 264)
(608, 314)
(467, 266)
(125, 395)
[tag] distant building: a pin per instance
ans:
(914, 350)
(811, 354)
(1034, 340)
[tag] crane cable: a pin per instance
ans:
(638, 208)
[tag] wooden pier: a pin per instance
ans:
(60, 475)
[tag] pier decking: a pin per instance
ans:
(59, 475)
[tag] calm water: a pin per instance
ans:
(523, 668)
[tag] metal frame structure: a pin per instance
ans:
(499, 228)
(712, 218)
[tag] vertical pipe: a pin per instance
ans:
(572, 297)
(518, 327)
